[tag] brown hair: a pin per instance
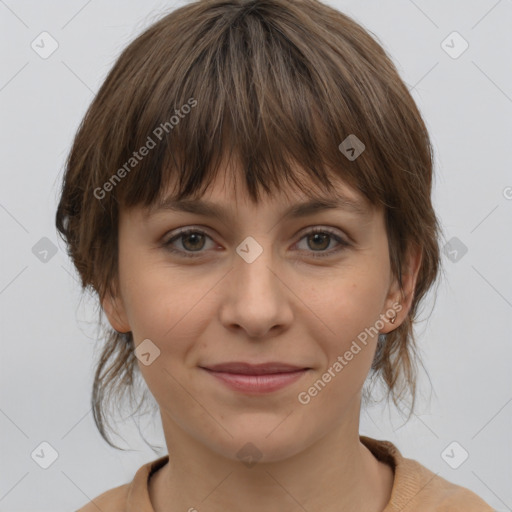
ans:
(279, 82)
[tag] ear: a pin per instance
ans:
(398, 302)
(115, 311)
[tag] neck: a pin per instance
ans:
(337, 472)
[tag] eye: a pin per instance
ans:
(320, 238)
(193, 241)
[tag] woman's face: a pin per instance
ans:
(258, 286)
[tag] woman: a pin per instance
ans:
(249, 196)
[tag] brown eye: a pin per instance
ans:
(319, 239)
(192, 241)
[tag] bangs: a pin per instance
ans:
(240, 87)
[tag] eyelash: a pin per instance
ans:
(167, 245)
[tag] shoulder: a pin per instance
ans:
(133, 495)
(112, 500)
(418, 489)
(434, 492)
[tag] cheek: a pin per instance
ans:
(162, 304)
(347, 310)
(348, 303)
(164, 307)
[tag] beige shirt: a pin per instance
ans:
(415, 488)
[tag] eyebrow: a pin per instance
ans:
(209, 209)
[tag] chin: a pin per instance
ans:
(269, 441)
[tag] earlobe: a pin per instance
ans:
(115, 314)
(393, 316)
(400, 300)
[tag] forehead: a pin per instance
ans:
(227, 194)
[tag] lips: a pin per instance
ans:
(256, 379)
(242, 368)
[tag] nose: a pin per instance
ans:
(257, 298)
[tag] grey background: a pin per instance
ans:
(48, 335)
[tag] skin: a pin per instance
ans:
(285, 306)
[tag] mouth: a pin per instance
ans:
(256, 378)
